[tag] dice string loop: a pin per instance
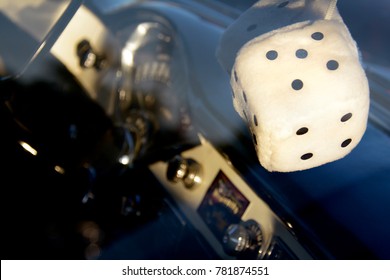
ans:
(331, 9)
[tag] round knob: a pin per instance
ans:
(236, 239)
(88, 58)
(186, 170)
(243, 240)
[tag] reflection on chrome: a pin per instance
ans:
(142, 105)
(59, 169)
(135, 41)
(124, 159)
(28, 148)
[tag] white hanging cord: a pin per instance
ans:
(331, 8)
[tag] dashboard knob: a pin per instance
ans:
(186, 170)
(88, 58)
(243, 240)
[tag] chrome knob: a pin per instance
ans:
(186, 170)
(243, 240)
(236, 239)
(88, 58)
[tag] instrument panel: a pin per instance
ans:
(236, 222)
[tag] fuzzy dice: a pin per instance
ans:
(303, 93)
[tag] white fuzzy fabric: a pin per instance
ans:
(300, 87)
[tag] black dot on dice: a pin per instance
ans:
(302, 131)
(301, 53)
(251, 27)
(318, 36)
(254, 139)
(306, 156)
(346, 117)
(235, 76)
(346, 143)
(255, 120)
(271, 55)
(332, 65)
(297, 84)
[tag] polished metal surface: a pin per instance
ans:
(88, 57)
(243, 239)
(186, 170)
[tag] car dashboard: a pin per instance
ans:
(152, 161)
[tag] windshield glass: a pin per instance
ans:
(28, 26)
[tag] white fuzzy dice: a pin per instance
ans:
(303, 93)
